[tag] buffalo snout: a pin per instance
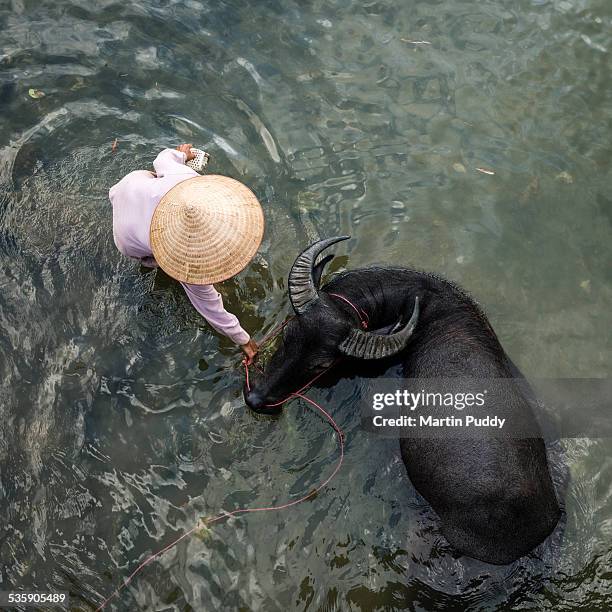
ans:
(257, 402)
(254, 400)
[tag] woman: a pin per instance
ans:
(199, 229)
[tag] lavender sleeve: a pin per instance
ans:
(209, 303)
(171, 161)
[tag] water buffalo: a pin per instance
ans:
(494, 495)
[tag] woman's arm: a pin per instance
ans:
(209, 303)
(172, 161)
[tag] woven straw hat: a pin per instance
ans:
(206, 229)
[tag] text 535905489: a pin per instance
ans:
(33, 598)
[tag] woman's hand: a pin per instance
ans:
(250, 350)
(186, 149)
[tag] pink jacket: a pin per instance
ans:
(134, 199)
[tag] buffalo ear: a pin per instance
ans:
(317, 271)
(388, 329)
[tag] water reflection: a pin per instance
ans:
(122, 419)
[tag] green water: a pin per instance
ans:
(122, 421)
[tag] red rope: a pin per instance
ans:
(294, 393)
(361, 313)
(218, 517)
(209, 521)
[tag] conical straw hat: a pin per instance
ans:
(206, 229)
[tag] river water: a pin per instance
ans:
(467, 138)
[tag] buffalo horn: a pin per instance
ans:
(302, 288)
(369, 345)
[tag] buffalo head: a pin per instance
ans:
(323, 331)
